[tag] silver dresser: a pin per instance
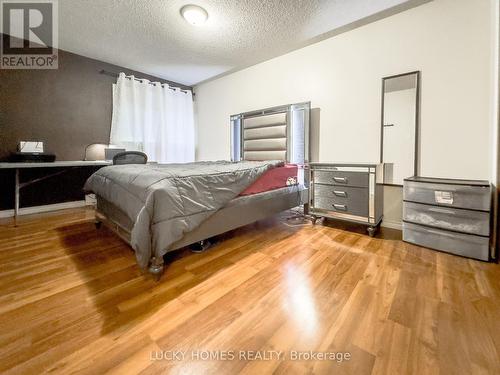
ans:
(448, 215)
(348, 192)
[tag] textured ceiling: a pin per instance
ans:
(150, 35)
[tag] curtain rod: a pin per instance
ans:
(171, 84)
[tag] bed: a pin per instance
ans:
(162, 208)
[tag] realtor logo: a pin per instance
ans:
(29, 34)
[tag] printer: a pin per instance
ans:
(31, 151)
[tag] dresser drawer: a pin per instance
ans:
(342, 205)
(467, 245)
(342, 178)
(461, 196)
(460, 220)
(342, 193)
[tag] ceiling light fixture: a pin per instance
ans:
(194, 14)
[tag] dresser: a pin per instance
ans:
(448, 215)
(345, 191)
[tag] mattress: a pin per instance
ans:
(274, 178)
(256, 207)
(121, 218)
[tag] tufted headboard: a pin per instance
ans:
(278, 133)
(264, 137)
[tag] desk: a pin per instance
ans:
(55, 164)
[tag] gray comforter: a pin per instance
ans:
(166, 201)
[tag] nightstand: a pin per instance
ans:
(350, 192)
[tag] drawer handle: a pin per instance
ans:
(339, 193)
(340, 207)
(443, 211)
(444, 234)
(340, 179)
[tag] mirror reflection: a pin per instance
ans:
(399, 127)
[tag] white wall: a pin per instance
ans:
(393, 207)
(448, 40)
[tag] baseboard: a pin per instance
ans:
(392, 225)
(89, 202)
(46, 208)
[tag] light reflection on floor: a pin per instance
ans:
(299, 301)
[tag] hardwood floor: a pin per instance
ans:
(73, 300)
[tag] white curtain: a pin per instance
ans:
(153, 118)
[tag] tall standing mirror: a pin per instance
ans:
(400, 117)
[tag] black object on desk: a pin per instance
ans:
(32, 157)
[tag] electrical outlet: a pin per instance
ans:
(26, 146)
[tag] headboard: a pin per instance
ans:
(264, 137)
(278, 133)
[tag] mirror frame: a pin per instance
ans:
(417, 122)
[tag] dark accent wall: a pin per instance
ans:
(67, 108)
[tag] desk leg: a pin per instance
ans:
(16, 198)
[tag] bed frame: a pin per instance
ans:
(278, 133)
